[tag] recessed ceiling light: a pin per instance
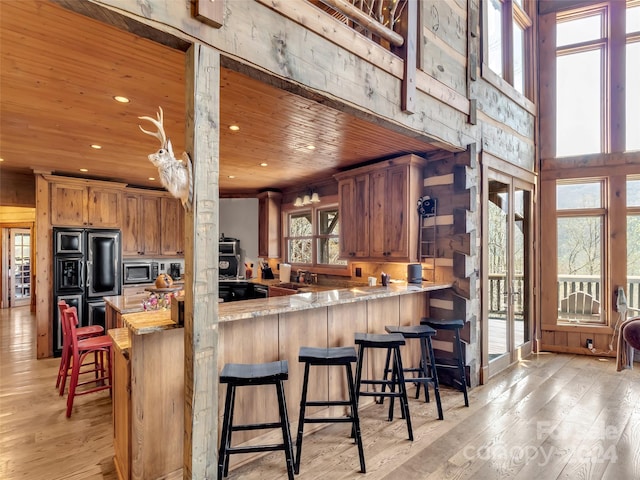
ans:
(311, 147)
(1, 159)
(231, 176)
(264, 164)
(121, 99)
(235, 128)
(152, 178)
(84, 170)
(96, 146)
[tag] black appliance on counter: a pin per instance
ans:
(86, 267)
(228, 258)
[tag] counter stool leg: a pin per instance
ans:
(404, 402)
(359, 363)
(434, 375)
(303, 404)
(461, 372)
(286, 433)
(392, 387)
(223, 457)
(424, 368)
(380, 400)
(355, 417)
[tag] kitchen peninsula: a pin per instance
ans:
(149, 361)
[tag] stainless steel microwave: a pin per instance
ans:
(139, 272)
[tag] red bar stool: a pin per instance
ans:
(82, 332)
(101, 346)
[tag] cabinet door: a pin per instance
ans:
(68, 205)
(172, 234)
(269, 224)
(150, 222)
(103, 208)
(354, 216)
(131, 224)
(378, 193)
(396, 213)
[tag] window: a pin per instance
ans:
(580, 53)
(508, 40)
(632, 89)
(633, 246)
(590, 88)
(580, 223)
(312, 237)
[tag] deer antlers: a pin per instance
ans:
(160, 135)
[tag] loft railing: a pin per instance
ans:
(567, 284)
(379, 20)
(391, 23)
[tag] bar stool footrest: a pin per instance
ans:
(329, 403)
(329, 420)
(256, 426)
(256, 448)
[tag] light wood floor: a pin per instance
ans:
(551, 416)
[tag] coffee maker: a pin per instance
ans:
(174, 271)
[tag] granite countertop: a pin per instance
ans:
(124, 305)
(141, 322)
(304, 301)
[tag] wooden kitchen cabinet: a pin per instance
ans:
(269, 224)
(378, 216)
(172, 235)
(85, 203)
(353, 193)
(141, 224)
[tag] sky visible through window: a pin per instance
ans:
(580, 89)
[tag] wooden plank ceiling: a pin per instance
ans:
(60, 70)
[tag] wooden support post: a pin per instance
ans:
(202, 78)
(210, 12)
(409, 53)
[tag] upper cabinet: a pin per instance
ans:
(269, 224)
(141, 224)
(84, 204)
(378, 217)
(172, 224)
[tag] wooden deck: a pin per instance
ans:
(551, 416)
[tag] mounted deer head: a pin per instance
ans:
(175, 175)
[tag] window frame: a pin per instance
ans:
(512, 12)
(328, 203)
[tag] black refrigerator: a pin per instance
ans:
(87, 266)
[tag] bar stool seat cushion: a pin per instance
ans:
(411, 331)
(255, 373)
(327, 356)
(380, 340)
(440, 324)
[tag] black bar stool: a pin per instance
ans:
(460, 377)
(391, 342)
(426, 370)
(240, 375)
(326, 357)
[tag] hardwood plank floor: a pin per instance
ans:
(551, 416)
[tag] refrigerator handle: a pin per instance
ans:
(89, 273)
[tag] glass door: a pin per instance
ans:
(508, 276)
(20, 264)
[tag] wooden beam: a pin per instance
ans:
(202, 78)
(409, 53)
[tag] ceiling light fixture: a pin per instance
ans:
(307, 199)
(234, 128)
(264, 164)
(231, 176)
(84, 170)
(311, 147)
(95, 146)
(121, 99)
(152, 178)
(1, 159)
